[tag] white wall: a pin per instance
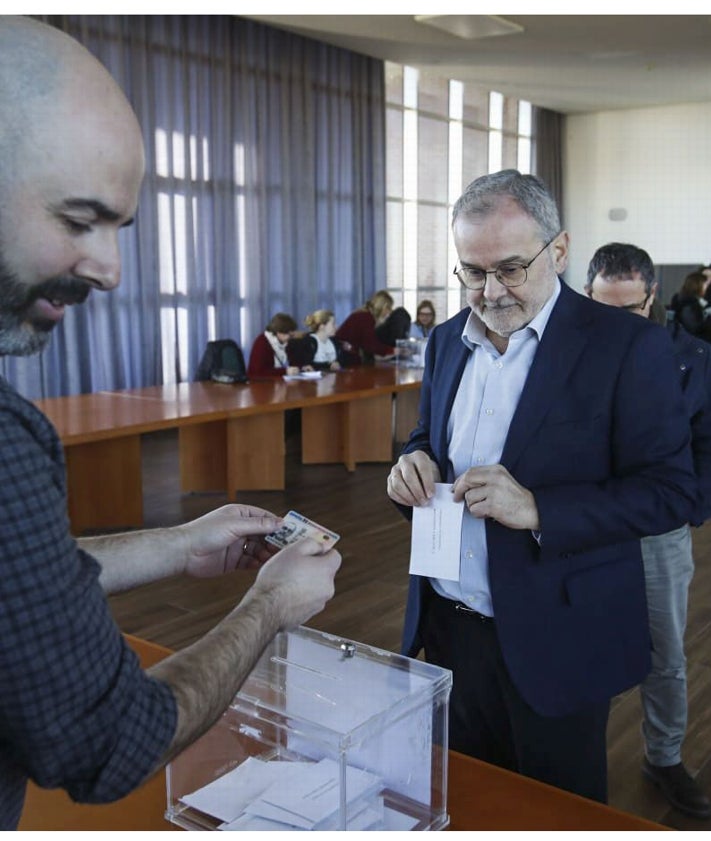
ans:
(655, 163)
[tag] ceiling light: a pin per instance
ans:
(471, 27)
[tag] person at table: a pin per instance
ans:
(559, 425)
(424, 321)
(268, 357)
(358, 330)
(319, 349)
(76, 710)
(395, 327)
(690, 307)
(622, 275)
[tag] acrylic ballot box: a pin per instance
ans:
(325, 734)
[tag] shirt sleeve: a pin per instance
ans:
(76, 710)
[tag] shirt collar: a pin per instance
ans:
(474, 332)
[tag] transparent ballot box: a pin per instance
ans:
(325, 734)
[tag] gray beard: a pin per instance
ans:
(19, 337)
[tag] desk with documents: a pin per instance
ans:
(231, 437)
(480, 797)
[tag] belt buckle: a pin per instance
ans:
(470, 610)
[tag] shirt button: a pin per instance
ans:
(469, 554)
(489, 411)
(480, 460)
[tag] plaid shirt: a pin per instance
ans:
(76, 710)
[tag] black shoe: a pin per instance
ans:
(680, 788)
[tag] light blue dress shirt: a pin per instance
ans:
(478, 425)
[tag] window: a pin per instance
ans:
(441, 134)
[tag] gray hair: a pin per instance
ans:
(481, 197)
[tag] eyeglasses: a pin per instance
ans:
(508, 274)
(629, 307)
(636, 307)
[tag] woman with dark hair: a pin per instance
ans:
(690, 306)
(268, 356)
(424, 320)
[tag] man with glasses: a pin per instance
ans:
(558, 423)
(622, 275)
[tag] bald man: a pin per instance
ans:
(76, 711)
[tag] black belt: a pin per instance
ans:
(469, 611)
(462, 609)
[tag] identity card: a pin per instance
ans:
(296, 527)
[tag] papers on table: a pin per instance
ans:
(437, 535)
(304, 375)
(289, 796)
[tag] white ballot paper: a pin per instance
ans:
(283, 795)
(228, 796)
(313, 795)
(437, 535)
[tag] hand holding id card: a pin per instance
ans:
(296, 527)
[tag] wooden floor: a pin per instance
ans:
(370, 596)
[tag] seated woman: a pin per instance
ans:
(690, 306)
(268, 356)
(358, 330)
(424, 321)
(319, 350)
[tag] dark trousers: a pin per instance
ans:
(489, 719)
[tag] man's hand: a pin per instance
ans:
(228, 538)
(412, 479)
(298, 581)
(493, 492)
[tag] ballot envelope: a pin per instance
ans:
(325, 734)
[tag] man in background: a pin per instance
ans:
(558, 422)
(622, 275)
(76, 711)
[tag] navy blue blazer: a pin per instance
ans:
(601, 438)
(693, 358)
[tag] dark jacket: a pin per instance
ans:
(301, 351)
(689, 312)
(693, 357)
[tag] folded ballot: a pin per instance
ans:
(289, 795)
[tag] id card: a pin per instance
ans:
(296, 527)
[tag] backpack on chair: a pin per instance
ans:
(222, 362)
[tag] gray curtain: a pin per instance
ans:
(548, 151)
(264, 192)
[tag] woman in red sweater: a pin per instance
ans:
(358, 330)
(268, 355)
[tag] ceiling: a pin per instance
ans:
(569, 63)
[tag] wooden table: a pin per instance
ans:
(480, 797)
(231, 437)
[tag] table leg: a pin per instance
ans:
(104, 484)
(239, 454)
(256, 453)
(348, 432)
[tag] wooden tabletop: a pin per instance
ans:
(108, 414)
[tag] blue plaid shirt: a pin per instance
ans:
(76, 710)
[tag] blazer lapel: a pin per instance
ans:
(451, 367)
(562, 344)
